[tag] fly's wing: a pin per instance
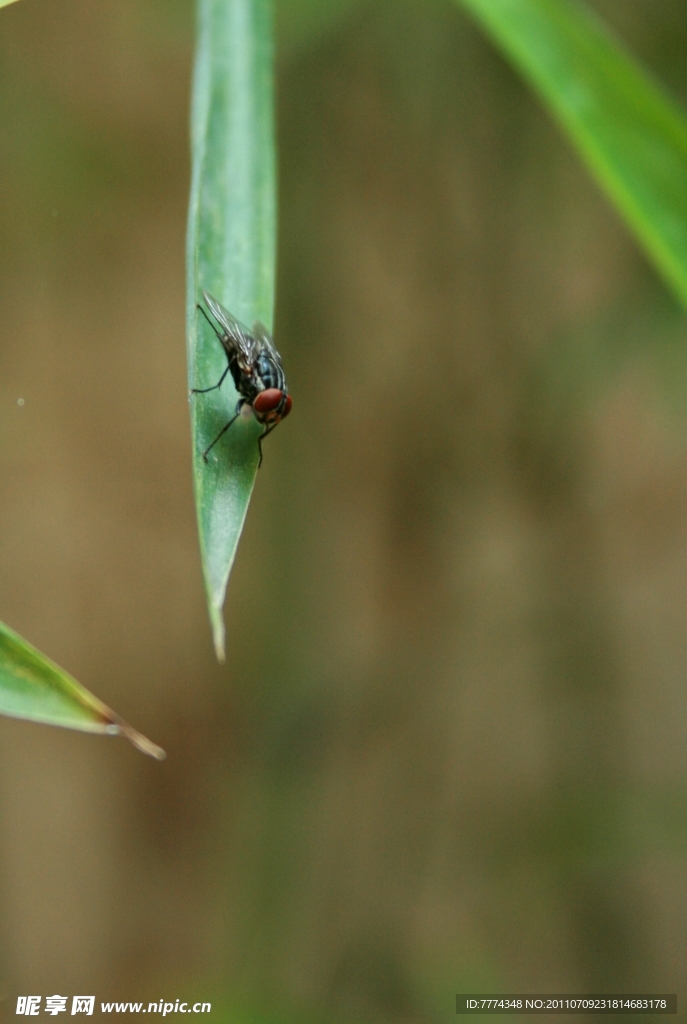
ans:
(236, 337)
(264, 338)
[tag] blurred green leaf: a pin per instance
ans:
(231, 254)
(631, 134)
(33, 687)
(4, 3)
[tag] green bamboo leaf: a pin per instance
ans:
(230, 254)
(33, 687)
(629, 131)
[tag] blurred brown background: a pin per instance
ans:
(447, 751)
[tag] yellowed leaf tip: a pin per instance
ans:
(218, 635)
(141, 742)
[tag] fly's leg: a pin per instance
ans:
(204, 391)
(224, 429)
(262, 438)
(198, 306)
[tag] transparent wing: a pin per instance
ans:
(237, 333)
(264, 339)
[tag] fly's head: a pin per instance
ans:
(271, 406)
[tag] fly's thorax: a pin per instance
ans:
(270, 372)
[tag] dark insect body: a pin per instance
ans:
(255, 367)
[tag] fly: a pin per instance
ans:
(255, 367)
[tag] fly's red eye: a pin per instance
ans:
(267, 400)
(287, 407)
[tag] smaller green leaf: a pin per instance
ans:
(4, 3)
(34, 688)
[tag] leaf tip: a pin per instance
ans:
(141, 742)
(218, 634)
(219, 647)
(145, 745)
